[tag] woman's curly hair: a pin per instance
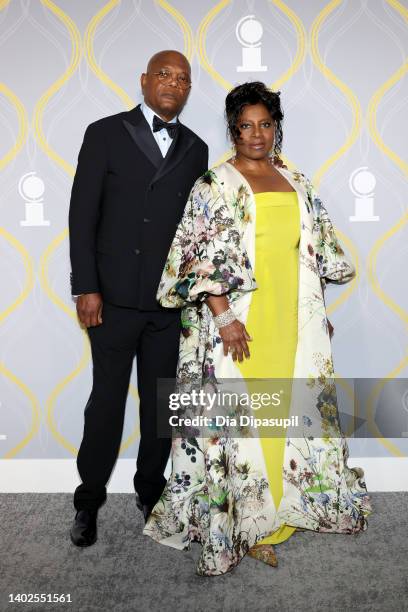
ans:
(254, 92)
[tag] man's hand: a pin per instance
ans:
(234, 337)
(89, 309)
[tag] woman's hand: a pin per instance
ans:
(234, 337)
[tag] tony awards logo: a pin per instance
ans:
(249, 32)
(31, 188)
(362, 183)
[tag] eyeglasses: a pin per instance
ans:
(166, 77)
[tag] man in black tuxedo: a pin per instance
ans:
(135, 171)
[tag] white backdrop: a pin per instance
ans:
(341, 67)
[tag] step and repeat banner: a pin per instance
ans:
(342, 71)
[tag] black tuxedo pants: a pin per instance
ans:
(153, 337)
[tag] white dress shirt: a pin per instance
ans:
(162, 136)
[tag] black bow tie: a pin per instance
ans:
(159, 124)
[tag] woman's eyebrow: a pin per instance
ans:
(252, 121)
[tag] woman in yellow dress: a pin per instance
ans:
(248, 265)
(272, 322)
(272, 319)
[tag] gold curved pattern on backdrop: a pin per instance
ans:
(89, 39)
(355, 129)
(27, 262)
(84, 360)
(35, 408)
(299, 59)
(355, 105)
(372, 405)
(75, 38)
(44, 276)
(301, 44)
(52, 398)
(294, 67)
(201, 44)
(372, 270)
(69, 169)
(27, 288)
(55, 243)
(372, 256)
(379, 94)
(330, 76)
(22, 122)
(29, 270)
(76, 52)
(297, 62)
(184, 26)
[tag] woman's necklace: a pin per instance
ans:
(271, 160)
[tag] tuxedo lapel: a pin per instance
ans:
(142, 136)
(178, 148)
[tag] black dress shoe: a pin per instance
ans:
(83, 531)
(145, 508)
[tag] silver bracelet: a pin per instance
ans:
(225, 318)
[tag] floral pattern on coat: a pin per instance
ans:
(218, 492)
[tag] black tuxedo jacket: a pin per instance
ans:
(126, 203)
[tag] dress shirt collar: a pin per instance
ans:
(149, 114)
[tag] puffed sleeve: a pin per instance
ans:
(333, 263)
(206, 256)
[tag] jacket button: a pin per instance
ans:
(145, 220)
(151, 187)
(179, 194)
(137, 251)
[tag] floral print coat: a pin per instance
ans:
(218, 492)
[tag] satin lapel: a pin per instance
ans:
(142, 136)
(179, 147)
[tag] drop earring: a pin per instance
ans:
(271, 156)
(234, 154)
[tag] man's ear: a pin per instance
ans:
(142, 80)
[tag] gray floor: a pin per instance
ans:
(126, 571)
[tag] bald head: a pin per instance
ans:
(166, 83)
(168, 56)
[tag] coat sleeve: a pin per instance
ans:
(84, 210)
(206, 256)
(333, 263)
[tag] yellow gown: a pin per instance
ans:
(272, 319)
